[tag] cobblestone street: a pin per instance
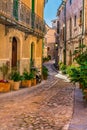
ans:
(47, 106)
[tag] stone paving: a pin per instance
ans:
(47, 106)
(79, 120)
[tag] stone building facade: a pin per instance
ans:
(21, 33)
(49, 40)
(72, 28)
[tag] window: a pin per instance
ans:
(58, 27)
(48, 48)
(33, 14)
(70, 27)
(75, 19)
(15, 9)
(80, 17)
(70, 2)
(33, 6)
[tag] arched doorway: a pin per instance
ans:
(14, 52)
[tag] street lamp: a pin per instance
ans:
(56, 45)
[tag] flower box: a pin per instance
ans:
(16, 85)
(26, 83)
(4, 87)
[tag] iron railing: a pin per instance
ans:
(6, 7)
(22, 15)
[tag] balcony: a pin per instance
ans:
(21, 17)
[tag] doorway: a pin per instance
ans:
(14, 52)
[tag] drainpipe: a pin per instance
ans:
(83, 23)
(64, 2)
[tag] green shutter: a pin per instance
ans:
(15, 9)
(33, 14)
(33, 6)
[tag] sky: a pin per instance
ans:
(50, 10)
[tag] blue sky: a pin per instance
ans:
(50, 10)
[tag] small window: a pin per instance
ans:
(58, 27)
(70, 27)
(48, 48)
(75, 19)
(80, 16)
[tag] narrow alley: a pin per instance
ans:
(47, 106)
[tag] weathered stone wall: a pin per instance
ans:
(50, 41)
(73, 40)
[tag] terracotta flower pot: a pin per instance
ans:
(26, 83)
(33, 82)
(11, 84)
(4, 87)
(16, 85)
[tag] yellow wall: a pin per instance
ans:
(27, 2)
(4, 43)
(40, 7)
(23, 45)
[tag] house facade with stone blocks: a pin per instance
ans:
(21, 33)
(72, 26)
(49, 40)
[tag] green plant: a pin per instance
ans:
(4, 70)
(79, 73)
(74, 73)
(27, 75)
(80, 54)
(44, 71)
(83, 74)
(15, 75)
(62, 67)
(46, 58)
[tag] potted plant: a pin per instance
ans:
(44, 72)
(33, 75)
(15, 76)
(33, 79)
(4, 84)
(26, 82)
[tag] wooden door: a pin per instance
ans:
(14, 52)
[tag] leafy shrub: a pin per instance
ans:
(15, 76)
(4, 70)
(73, 73)
(44, 71)
(27, 75)
(79, 74)
(62, 67)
